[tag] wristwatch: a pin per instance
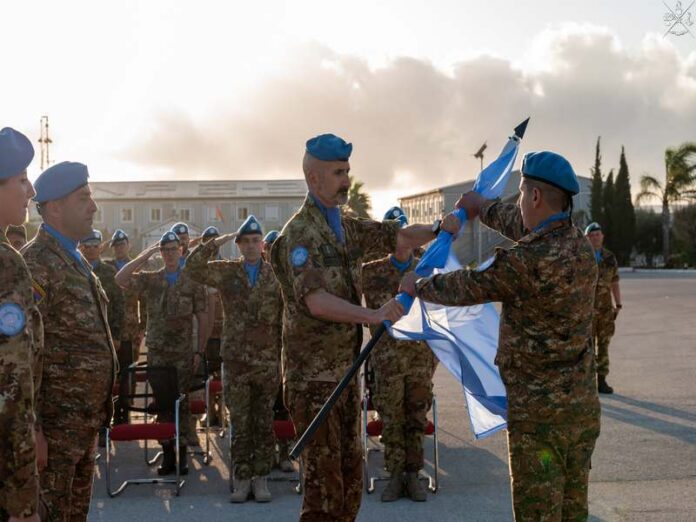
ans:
(436, 226)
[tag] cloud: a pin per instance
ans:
(415, 126)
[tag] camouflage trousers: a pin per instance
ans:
(403, 399)
(603, 328)
(332, 461)
(550, 466)
(250, 396)
(184, 378)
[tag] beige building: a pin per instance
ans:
(147, 209)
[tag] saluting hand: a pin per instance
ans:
(219, 241)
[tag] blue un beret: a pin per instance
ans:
(329, 147)
(94, 237)
(169, 237)
(250, 226)
(593, 227)
(59, 180)
(549, 167)
(118, 235)
(271, 236)
(211, 231)
(16, 153)
(397, 213)
(180, 228)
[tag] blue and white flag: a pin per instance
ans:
(465, 339)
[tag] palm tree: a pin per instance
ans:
(358, 201)
(680, 178)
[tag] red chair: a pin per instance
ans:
(372, 430)
(167, 399)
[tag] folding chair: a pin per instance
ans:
(163, 381)
(200, 407)
(372, 430)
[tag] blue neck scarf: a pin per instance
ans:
(401, 267)
(69, 245)
(182, 261)
(556, 217)
(172, 277)
(120, 263)
(332, 215)
(252, 271)
(598, 255)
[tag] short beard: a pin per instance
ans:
(342, 197)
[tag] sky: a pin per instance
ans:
(232, 90)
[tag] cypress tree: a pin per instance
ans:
(607, 214)
(623, 221)
(596, 196)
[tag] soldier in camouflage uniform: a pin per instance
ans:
(251, 351)
(605, 313)
(172, 299)
(21, 339)
(17, 236)
(403, 378)
(546, 283)
(318, 261)
(131, 328)
(79, 361)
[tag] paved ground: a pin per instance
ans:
(644, 467)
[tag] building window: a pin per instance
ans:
(155, 215)
(126, 215)
(272, 213)
(242, 213)
(185, 214)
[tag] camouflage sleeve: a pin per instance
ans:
(201, 269)
(18, 474)
(505, 218)
(614, 269)
(503, 280)
(296, 265)
(376, 237)
(200, 298)
(116, 307)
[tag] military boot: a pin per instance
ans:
(168, 465)
(603, 386)
(414, 487)
(394, 489)
(260, 489)
(242, 488)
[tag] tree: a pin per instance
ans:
(623, 218)
(680, 177)
(648, 235)
(596, 188)
(685, 233)
(358, 201)
(608, 203)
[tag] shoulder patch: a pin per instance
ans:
(12, 319)
(299, 256)
(39, 293)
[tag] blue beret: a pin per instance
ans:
(119, 235)
(16, 153)
(169, 237)
(250, 226)
(180, 228)
(328, 147)
(211, 231)
(593, 227)
(549, 167)
(271, 236)
(94, 237)
(397, 213)
(59, 180)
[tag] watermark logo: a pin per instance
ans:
(679, 20)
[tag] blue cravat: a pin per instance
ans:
(556, 217)
(598, 255)
(171, 277)
(69, 245)
(252, 271)
(332, 215)
(120, 263)
(401, 266)
(182, 261)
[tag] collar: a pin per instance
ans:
(252, 271)
(551, 219)
(172, 277)
(120, 263)
(67, 244)
(332, 215)
(401, 266)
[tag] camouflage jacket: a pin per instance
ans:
(20, 378)
(608, 274)
(252, 324)
(170, 311)
(380, 284)
(546, 284)
(115, 309)
(133, 323)
(79, 358)
(308, 257)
